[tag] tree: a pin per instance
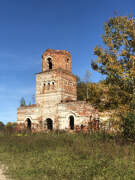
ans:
(92, 92)
(2, 125)
(22, 102)
(81, 89)
(117, 60)
(10, 127)
(87, 79)
(128, 125)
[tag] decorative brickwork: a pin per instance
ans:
(56, 98)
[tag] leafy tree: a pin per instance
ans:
(10, 127)
(81, 89)
(117, 59)
(11, 124)
(92, 92)
(22, 102)
(128, 125)
(2, 125)
(95, 94)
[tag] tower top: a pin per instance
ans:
(54, 59)
(56, 51)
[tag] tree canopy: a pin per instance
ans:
(116, 60)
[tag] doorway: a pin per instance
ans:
(28, 123)
(49, 124)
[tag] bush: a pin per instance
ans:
(128, 125)
(1, 125)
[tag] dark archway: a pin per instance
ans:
(49, 60)
(28, 124)
(49, 124)
(71, 122)
(82, 126)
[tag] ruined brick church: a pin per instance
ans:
(56, 105)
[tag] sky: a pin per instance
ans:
(29, 27)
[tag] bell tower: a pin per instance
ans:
(54, 59)
(55, 83)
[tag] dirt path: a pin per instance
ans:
(2, 176)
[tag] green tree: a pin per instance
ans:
(81, 89)
(128, 125)
(117, 59)
(10, 127)
(2, 125)
(22, 102)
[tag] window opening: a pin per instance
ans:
(67, 63)
(67, 60)
(71, 122)
(49, 63)
(82, 126)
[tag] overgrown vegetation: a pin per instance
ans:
(115, 60)
(128, 126)
(8, 129)
(62, 156)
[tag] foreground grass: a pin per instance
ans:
(64, 156)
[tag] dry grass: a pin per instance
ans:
(62, 156)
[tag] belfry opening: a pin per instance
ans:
(49, 60)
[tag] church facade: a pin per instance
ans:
(56, 105)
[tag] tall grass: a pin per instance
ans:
(63, 156)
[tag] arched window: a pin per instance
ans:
(49, 60)
(71, 122)
(82, 126)
(67, 62)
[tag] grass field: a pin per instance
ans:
(62, 156)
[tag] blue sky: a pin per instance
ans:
(29, 27)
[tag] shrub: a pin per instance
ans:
(128, 125)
